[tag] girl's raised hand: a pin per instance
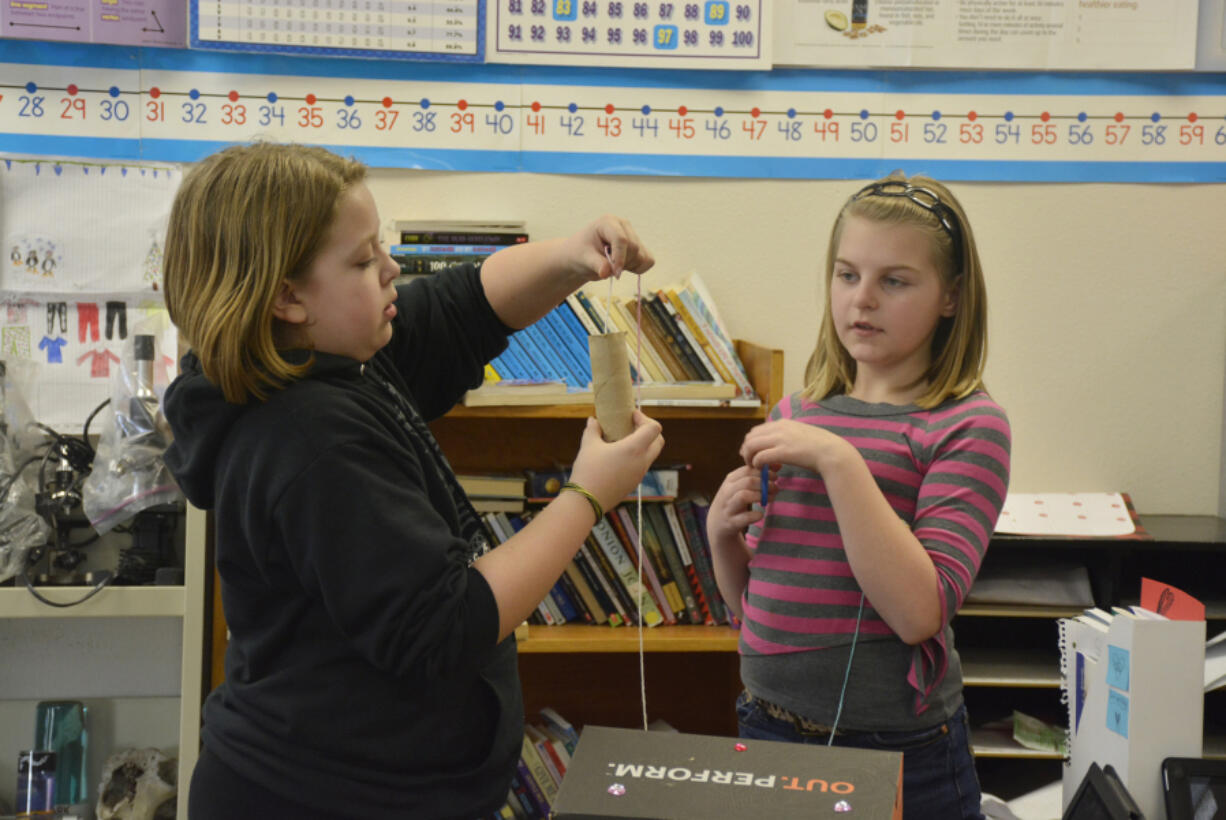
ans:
(608, 246)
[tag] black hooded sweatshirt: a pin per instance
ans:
(363, 674)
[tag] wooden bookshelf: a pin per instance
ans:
(590, 674)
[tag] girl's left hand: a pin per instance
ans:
(789, 442)
(625, 251)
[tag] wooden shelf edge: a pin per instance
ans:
(604, 639)
(111, 602)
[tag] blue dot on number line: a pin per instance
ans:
(272, 96)
(646, 109)
(1082, 117)
(864, 113)
(349, 99)
(498, 106)
(425, 102)
(1008, 116)
(936, 115)
(572, 108)
(31, 88)
(194, 94)
(791, 113)
(113, 91)
(719, 111)
(1155, 116)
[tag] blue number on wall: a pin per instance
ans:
(664, 37)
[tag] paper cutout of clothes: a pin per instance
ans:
(55, 309)
(15, 310)
(15, 341)
(116, 310)
(87, 320)
(53, 348)
(100, 367)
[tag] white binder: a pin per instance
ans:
(1135, 695)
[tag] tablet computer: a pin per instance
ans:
(1195, 789)
(1102, 796)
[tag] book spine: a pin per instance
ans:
(528, 338)
(593, 596)
(686, 339)
(539, 773)
(541, 336)
(583, 300)
(515, 343)
(678, 559)
(561, 725)
(664, 346)
(631, 537)
(510, 363)
(545, 753)
(702, 560)
(688, 562)
(656, 528)
(457, 237)
(641, 601)
(574, 357)
(687, 319)
(622, 599)
(699, 296)
(581, 315)
(692, 365)
(578, 332)
(725, 353)
(563, 603)
(636, 353)
(584, 612)
(532, 790)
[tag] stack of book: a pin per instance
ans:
(428, 246)
(548, 745)
(493, 493)
(679, 351)
(601, 585)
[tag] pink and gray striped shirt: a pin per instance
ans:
(944, 471)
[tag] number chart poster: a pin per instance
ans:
(168, 105)
(635, 33)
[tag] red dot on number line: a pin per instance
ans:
(682, 111)
(1119, 116)
(462, 104)
(387, 102)
(310, 99)
(536, 106)
(233, 96)
(1192, 117)
(756, 112)
(900, 114)
(155, 92)
(1045, 116)
(827, 113)
(971, 115)
(609, 109)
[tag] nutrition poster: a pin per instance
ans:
(1126, 35)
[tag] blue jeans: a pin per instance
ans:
(938, 769)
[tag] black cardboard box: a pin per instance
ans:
(619, 774)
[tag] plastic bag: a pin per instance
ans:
(21, 527)
(129, 474)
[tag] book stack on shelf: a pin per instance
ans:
(548, 745)
(493, 493)
(601, 585)
(683, 356)
(428, 246)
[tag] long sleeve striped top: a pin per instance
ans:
(945, 472)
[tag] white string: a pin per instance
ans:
(638, 535)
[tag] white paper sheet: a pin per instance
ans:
(1079, 514)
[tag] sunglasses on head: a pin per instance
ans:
(926, 198)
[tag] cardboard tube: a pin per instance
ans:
(611, 387)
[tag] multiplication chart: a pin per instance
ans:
(370, 28)
(633, 33)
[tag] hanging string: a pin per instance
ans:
(638, 536)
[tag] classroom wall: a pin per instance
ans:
(1107, 302)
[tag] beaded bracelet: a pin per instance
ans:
(591, 499)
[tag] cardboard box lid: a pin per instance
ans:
(620, 774)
